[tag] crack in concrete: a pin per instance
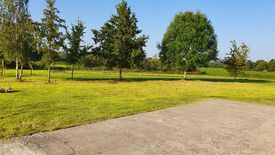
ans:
(67, 144)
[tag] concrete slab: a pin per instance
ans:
(214, 127)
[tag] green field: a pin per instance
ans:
(96, 95)
(247, 74)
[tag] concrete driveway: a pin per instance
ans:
(214, 127)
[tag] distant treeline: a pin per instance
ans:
(259, 65)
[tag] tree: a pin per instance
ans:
(118, 38)
(104, 38)
(189, 41)
(250, 65)
(215, 64)
(271, 65)
(75, 50)
(236, 62)
(15, 31)
(28, 46)
(90, 60)
(51, 39)
(2, 64)
(1, 33)
(152, 64)
(261, 65)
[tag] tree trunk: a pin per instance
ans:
(72, 72)
(184, 75)
(30, 65)
(235, 74)
(21, 72)
(120, 73)
(3, 68)
(17, 68)
(49, 73)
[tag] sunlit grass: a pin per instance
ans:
(246, 74)
(96, 95)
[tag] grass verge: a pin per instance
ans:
(96, 95)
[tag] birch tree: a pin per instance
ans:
(15, 30)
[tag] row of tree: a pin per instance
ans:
(118, 42)
(261, 65)
(190, 41)
(20, 37)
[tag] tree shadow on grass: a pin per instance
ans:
(143, 79)
(229, 80)
(15, 91)
(128, 79)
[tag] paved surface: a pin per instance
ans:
(214, 127)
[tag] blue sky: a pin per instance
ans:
(249, 21)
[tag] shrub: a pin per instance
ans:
(250, 65)
(91, 60)
(216, 64)
(261, 66)
(271, 65)
(152, 64)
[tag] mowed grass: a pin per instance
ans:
(246, 74)
(96, 95)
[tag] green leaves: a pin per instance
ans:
(236, 62)
(16, 29)
(118, 39)
(261, 65)
(51, 37)
(104, 39)
(75, 49)
(271, 65)
(189, 41)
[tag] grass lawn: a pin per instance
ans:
(96, 95)
(246, 74)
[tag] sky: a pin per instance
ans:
(248, 21)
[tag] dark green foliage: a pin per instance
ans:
(87, 60)
(128, 48)
(152, 64)
(236, 62)
(271, 65)
(137, 57)
(61, 56)
(215, 64)
(261, 65)
(75, 50)
(259, 61)
(51, 38)
(250, 65)
(118, 39)
(189, 41)
(1, 55)
(104, 38)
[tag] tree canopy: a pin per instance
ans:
(118, 39)
(51, 38)
(261, 65)
(75, 49)
(271, 65)
(16, 31)
(236, 61)
(189, 41)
